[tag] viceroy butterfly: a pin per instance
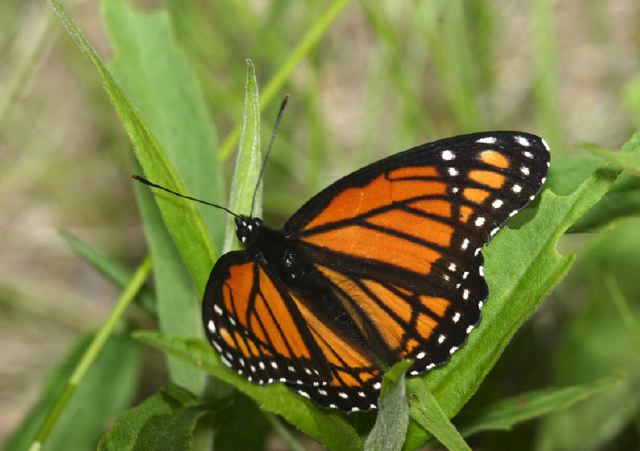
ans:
(382, 265)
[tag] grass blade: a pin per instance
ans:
(277, 82)
(92, 352)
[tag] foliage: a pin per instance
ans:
(178, 82)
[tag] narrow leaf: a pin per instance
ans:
(627, 160)
(505, 414)
(390, 428)
(155, 72)
(248, 161)
(108, 267)
(429, 414)
(178, 306)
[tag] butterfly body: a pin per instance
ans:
(382, 265)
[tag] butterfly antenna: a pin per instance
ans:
(283, 105)
(155, 185)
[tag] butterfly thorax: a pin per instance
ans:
(272, 247)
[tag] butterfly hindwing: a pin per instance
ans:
(266, 333)
(251, 323)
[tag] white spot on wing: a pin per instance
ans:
(211, 326)
(453, 172)
(217, 309)
(421, 355)
(523, 141)
(465, 244)
(525, 170)
(456, 317)
(479, 221)
(487, 140)
(516, 188)
(497, 203)
(447, 155)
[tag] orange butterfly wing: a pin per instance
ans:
(399, 241)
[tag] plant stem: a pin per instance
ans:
(98, 342)
(275, 84)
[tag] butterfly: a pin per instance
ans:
(383, 265)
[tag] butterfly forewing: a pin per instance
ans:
(416, 222)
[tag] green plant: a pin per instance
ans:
(156, 92)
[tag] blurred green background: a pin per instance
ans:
(385, 76)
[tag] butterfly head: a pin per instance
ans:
(247, 229)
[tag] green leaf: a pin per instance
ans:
(329, 427)
(166, 420)
(177, 305)
(621, 201)
(248, 162)
(505, 414)
(157, 76)
(521, 266)
(232, 424)
(108, 267)
(181, 218)
(628, 160)
(391, 424)
(598, 343)
(102, 394)
(429, 414)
